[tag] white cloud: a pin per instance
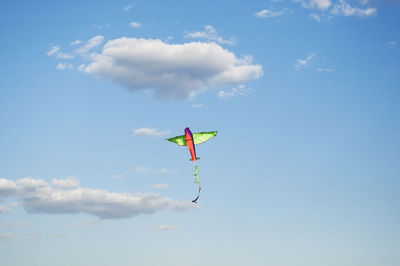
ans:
(66, 182)
(321, 69)
(61, 55)
(343, 8)
(64, 66)
(159, 186)
(210, 34)
(317, 4)
(363, 2)
(39, 197)
(135, 24)
(269, 13)
(174, 71)
(302, 63)
(197, 105)
(128, 7)
(320, 4)
(169, 38)
(82, 51)
(149, 132)
(90, 44)
(97, 26)
(76, 42)
(146, 170)
(315, 17)
(53, 50)
(239, 90)
(165, 227)
(392, 44)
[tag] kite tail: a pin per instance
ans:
(197, 181)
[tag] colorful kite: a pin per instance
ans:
(190, 140)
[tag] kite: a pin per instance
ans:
(191, 140)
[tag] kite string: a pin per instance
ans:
(197, 181)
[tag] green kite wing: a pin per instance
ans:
(180, 140)
(203, 136)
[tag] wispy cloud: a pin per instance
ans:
(160, 186)
(4, 209)
(210, 34)
(53, 50)
(8, 236)
(100, 26)
(82, 50)
(16, 224)
(39, 197)
(149, 132)
(128, 7)
(345, 9)
(147, 170)
(302, 63)
(90, 44)
(64, 66)
(197, 105)
(135, 24)
(326, 69)
(315, 17)
(391, 44)
(328, 9)
(66, 182)
(165, 227)
(76, 42)
(88, 222)
(239, 90)
(316, 4)
(270, 13)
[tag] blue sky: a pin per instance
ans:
(304, 169)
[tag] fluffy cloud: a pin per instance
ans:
(149, 132)
(174, 71)
(39, 197)
(210, 34)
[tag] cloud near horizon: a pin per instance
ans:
(171, 71)
(37, 196)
